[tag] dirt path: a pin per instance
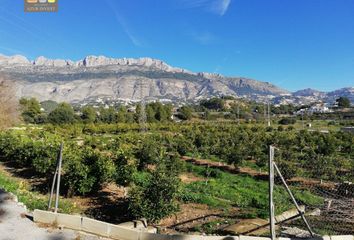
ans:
(14, 225)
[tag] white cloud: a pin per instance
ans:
(204, 38)
(127, 29)
(221, 6)
(218, 7)
(125, 26)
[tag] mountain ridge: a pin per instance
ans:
(126, 79)
(102, 77)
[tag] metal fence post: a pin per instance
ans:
(58, 181)
(271, 187)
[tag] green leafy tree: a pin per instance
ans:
(76, 174)
(236, 155)
(156, 197)
(287, 121)
(63, 114)
(150, 114)
(150, 152)
(213, 104)
(185, 113)
(125, 169)
(31, 109)
(163, 112)
(108, 115)
(137, 113)
(101, 167)
(88, 114)
(122, 114)
(343, 102)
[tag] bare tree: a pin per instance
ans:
(8, 103)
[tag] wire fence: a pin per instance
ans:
(322, 190)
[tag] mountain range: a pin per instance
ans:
(99, 78)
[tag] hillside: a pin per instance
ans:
(121, 79)
(100, 78)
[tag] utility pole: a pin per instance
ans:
(238, 113)
(265, 113)
(142, 115)
(268, 114)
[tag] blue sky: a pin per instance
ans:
(294, 44)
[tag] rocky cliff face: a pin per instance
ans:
(123, 79)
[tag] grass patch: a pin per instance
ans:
(226, 190)
(32, 200)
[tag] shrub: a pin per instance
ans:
(63, 114)
(287, 121)
(291, 128)
(269, 129)
(125, 170)
(183, 145)
(76, 175)
(45, 160)
(101, 167)
(150, 152)
(185, 113)
(156, 197)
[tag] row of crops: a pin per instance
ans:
(150, 164)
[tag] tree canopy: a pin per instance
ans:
(343, 102)
(64, 113)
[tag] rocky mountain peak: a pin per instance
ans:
(308, 92)
(13, 60)
(93, 61)
(42, 61)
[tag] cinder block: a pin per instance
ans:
(253, 238)
(95, 227)
(69, 221)
(137, 225)
(46, 217)
(326, 238)
(121, 233)
(189, 237)
(343, 237)
(151, 229)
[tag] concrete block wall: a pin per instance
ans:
(96, 227)
(125, 233)
(69, 221)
